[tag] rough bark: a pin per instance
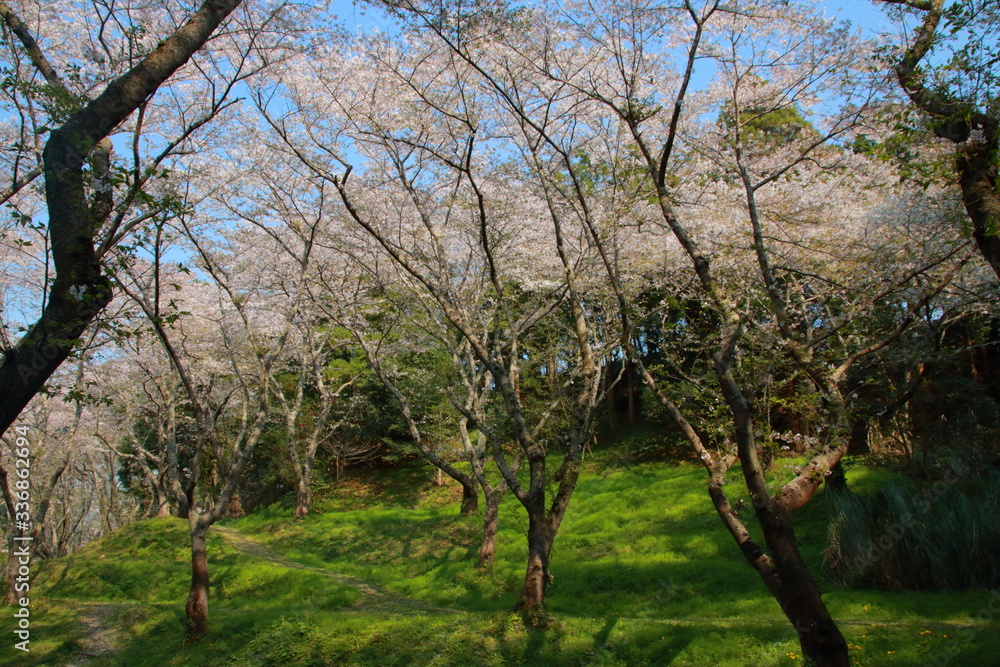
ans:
(470, 498)
(162, 505)
(80, 290)
(977, 175)
(491, 525)
(799, 596)
(536, 576)
(302, 494)
(975, 133)
(476, 453)
(543, 525)
(235, 508)
(197, 602)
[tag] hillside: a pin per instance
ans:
(644, 574)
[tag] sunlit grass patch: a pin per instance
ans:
(644, 575)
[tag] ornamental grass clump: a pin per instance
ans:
(906, 538)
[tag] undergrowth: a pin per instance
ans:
(643, 574)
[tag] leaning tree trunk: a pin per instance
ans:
(785, 573)
(470, 497)
(80, 288)
(197, 602)
(799, 596)
(971, 128)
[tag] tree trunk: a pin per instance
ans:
(162, 508)
(185, 501)
(302, 497)
(609, 396)
(80, 289)
(235, 509)
(633, 408)
(978, 177)
(536, 577)
(470, 498)
(836, 481)
(798, 595)
(197, 602)
(162, 499)
(491, 524)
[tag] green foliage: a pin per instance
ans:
(760, 128)
(908, 148)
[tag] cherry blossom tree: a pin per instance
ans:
(764, 142)
(71, 487)
(394, 328)
(437, 196)
(289, 211)
(229, 389)
(91, 202)
(771, 60)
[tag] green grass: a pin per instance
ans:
(644, 574)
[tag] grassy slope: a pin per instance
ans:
(644, 574)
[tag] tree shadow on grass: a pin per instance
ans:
(654, 590)
(639, 645)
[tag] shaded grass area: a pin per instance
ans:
(644, 574)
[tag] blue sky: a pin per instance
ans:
(863, 13)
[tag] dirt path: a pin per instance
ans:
(375, 597)
(100, 636)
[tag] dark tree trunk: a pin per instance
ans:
(633, 410)
(956, 118)
(491, 525)
(185, 501)
(858, 442)
(470, 497)
(536, 577)
(197, 602)
(609, 396)
(799, 596)
(80, 289)
(978, 178)
(836, 481)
